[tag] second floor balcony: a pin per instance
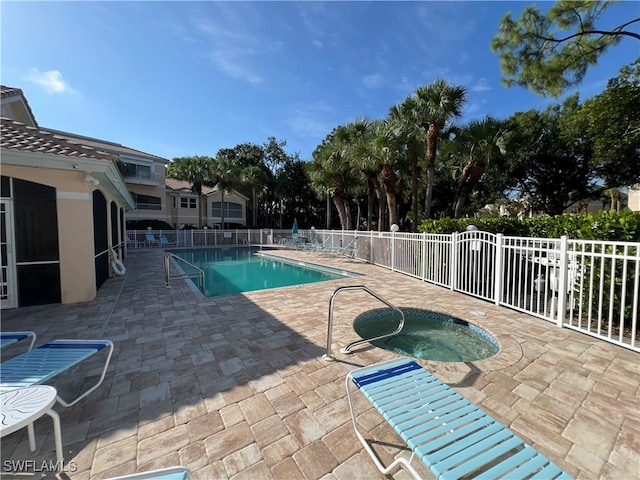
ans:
(148, 206)
(132, 172)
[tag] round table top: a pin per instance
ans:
(21, 406)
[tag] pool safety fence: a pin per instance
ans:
(589, 286)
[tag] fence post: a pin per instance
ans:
(393, 251)
(498, 276)
(453, 261)
(371, 246)
(562, 281)
(423, 258)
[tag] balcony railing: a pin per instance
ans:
(148, 206)
(141, 174)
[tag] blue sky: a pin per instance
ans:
(188, 78)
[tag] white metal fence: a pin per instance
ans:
(589, 286)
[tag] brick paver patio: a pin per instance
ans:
(234, 386)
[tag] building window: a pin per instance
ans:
(231, 210)
(132, 170)
(146, 202)
(234, 210)
(174, 202)
(188, 202)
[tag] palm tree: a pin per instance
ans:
(355, 140)
(321, 185)
(386, 147)
(331, 165)
(436, 104)
(195, 170)
(254, 177)
(480, 143)
(224, 175)
(406, 125)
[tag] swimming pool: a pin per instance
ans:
(230, 271)
(427, 335)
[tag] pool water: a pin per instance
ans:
(427, 335)
(237, 270)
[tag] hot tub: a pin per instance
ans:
(427, 335)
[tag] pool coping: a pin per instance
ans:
(431, 314)
(312, 266)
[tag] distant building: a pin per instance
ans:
(143, 173)
(184, 206)
(634, 198)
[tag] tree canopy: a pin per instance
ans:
(548, 161)
(612, 121)
(550, 52)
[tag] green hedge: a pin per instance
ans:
(606, 225)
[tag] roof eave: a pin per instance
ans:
(104, 171)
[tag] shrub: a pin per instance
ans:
(606, 225)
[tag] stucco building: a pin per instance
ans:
(65, 203)
(63, 209)
(184, 206)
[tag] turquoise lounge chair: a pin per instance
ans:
(9, 338)
(449, 434)
(164, 242)
(151, 240)
(171, 473)
(50, 360)
(131, 243)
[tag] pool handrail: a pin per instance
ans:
(167, 277)
(328, 356)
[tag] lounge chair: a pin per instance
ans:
(299, 242)
(316, 245)
(50, 360)
(9, 338)
(164, 242)
(349, 249)
(151, 240)
(450, 435)
(131, 243)
(171, 473)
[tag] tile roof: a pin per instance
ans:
(9, 92)
(93, 143)
(185, 187)
(21, 137)
(6, 92)
(104, 145)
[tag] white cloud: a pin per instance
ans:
(229, 63)
(306, 122)
(317, 43)
(481, 86)
(471, 108)
(307, 127)
(372, 81)
(51, 81)
(237, 39)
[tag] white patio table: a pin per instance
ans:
(21, 407)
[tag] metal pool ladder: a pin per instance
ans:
(328, 357)
(199, 273)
